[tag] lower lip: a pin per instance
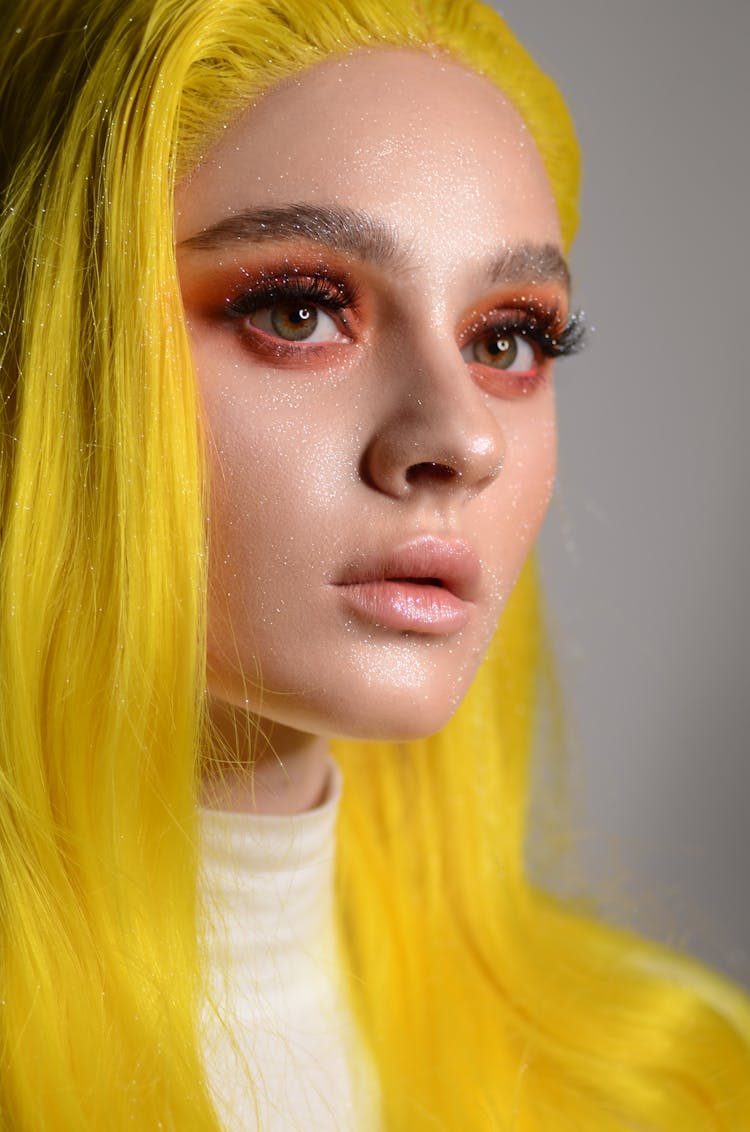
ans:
(407, 606)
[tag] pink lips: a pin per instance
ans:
(426, 586)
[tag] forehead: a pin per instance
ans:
(426, 145)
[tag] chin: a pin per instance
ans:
(396, 695)
(390, 719)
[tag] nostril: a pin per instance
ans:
(430, 470)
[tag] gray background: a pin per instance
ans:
(646, 554)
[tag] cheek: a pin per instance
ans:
(522, 491)
(254, 540)
(277, 474)
(533, 449)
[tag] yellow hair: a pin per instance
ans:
(488, 1006)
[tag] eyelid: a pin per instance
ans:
(335, 293)
(283, 352)
(554, 332)
(531, 308)
(266, 289)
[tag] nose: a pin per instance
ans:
(440, 432)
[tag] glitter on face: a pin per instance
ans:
(376, 488)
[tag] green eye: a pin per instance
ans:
(294, 320)
(505, 351)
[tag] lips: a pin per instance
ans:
(427, 585)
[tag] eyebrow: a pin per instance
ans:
(344, 230)
(366, 237)
(530, 263)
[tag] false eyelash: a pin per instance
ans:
(316, 288)
(538, 325)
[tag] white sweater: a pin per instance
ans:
(281, 1049)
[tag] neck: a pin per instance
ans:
(262, 767)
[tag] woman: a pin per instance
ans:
(327, 237)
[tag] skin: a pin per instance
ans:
(387, 427)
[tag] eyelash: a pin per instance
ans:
(316, 290)
(535, 323)
(540, 326)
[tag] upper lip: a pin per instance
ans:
(450, 563)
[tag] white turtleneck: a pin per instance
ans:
(281, 1049)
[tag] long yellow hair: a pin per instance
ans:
(487, 1005)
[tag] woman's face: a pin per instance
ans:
(371, 274)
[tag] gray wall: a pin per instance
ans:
(646, 554)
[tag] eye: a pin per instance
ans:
(295, 320)
(503, 350)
